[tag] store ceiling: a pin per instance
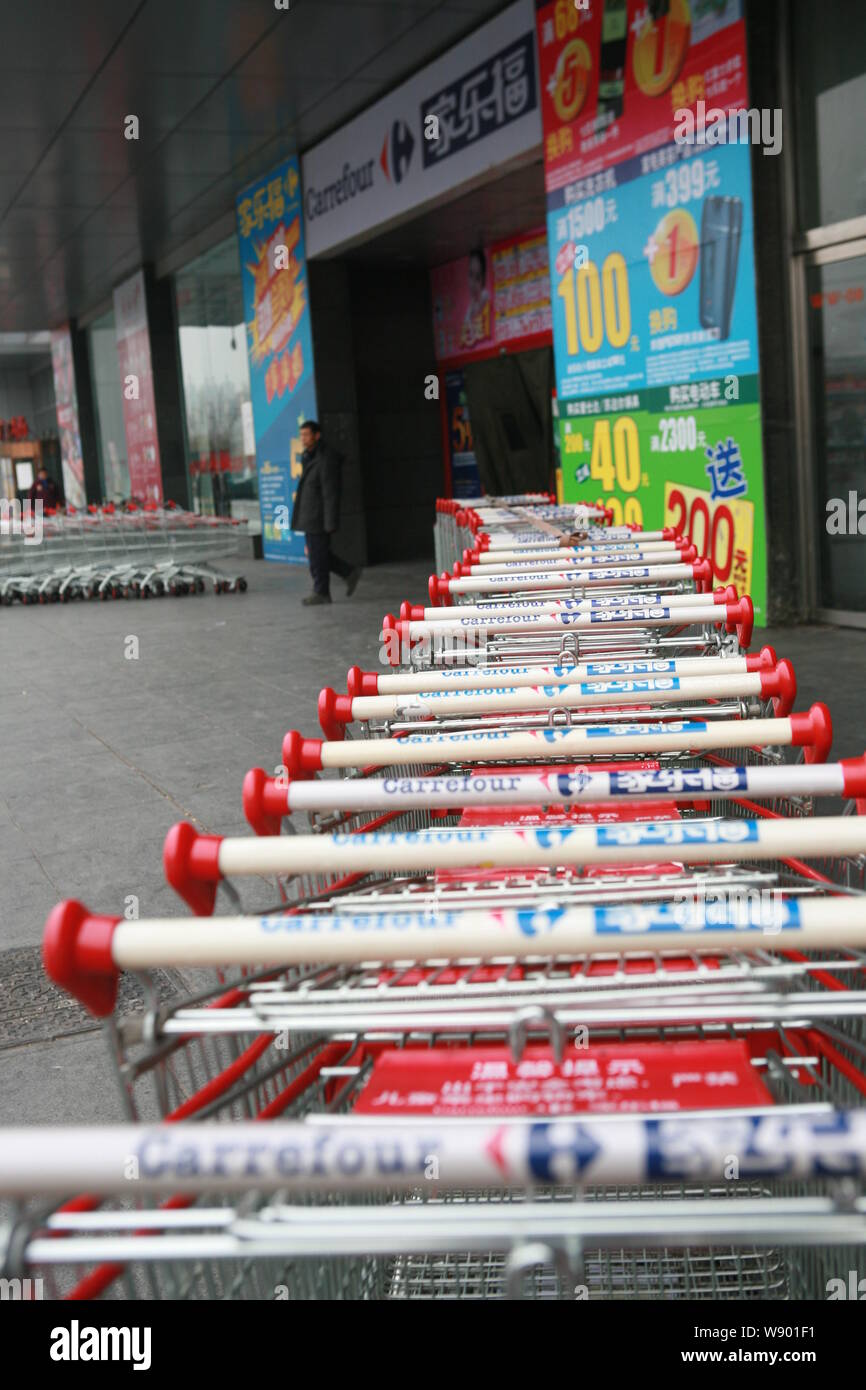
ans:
(222, 90)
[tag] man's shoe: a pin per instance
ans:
(352, 580)
(312, 599)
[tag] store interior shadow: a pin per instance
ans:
(508, 400)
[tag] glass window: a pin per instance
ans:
(830, 92)
(216, 384)
(108, 401)
(837, 333)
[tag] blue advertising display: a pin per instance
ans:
(279, 345)
(652, 274)
(465, 481)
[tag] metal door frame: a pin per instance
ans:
(840, 241)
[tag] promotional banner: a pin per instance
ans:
(136, 376)
(465, 481)
(462, 306)
(66, 398)
(612, 77)
(279, 345)
(521, 288)
(654, 283)
(493, 298)
(653, 292)
(470, 111)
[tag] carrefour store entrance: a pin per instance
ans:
(437, 272)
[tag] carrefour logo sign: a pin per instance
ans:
(350, 183)
(397, 150)
(394, 160)
(472, 109)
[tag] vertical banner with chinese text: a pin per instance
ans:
(652, 274)
(279, 345)
(66, 400)
(136, 379)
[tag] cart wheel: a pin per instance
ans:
(242, 585)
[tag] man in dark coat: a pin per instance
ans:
(44, 490)
(317, 513)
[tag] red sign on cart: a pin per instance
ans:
(605, 1079)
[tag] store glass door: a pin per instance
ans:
(836, 294)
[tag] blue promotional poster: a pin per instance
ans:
(465, 481)
(279, 345)
(652, 275)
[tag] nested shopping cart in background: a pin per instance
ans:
(561, 992)
(119, 552)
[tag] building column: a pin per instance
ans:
(771, 200)
(86, 412)
(167, 388)
(334, 355)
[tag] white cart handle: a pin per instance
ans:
(593, 576)
(568, 558)
(195, 863)
(737, 617)
(535, 555)
(360, 682)
(268, 799)
(84, 953)
(812, 731)
(502, 606)
(357, 1154)
(778, 685)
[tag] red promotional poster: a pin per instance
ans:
(613, 77)
(521, 287)
(462, 306)
(498, 295)
(66, 400)
(136, 376)
(609, 1078)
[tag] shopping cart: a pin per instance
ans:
(330, 1042)
(541, 1009)
(113, 552)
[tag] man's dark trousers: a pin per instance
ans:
(323, 562)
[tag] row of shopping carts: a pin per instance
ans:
(110, 552)
(560, 992)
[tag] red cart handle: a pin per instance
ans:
(740, 618)
(814, 732)
(335, 712)
(360, 682)
(301, 756)
(191, 863)
(76, 953)
(265, 801)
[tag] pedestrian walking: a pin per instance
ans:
(316, 512)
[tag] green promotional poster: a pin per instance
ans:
(678, 462)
